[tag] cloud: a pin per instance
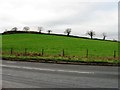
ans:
(80, 15)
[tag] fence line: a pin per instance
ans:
(25, 51)
(63, 52)
(87, 54)
(114, 53)
(11, 51)
(42, 52)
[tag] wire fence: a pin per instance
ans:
(62, 52)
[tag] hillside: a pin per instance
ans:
(53, 45)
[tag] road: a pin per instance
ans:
(16, 74)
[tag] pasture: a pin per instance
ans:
(53, 46)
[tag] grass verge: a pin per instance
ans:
(63, 60)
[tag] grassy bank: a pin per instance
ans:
(53, 47)
(62, 60)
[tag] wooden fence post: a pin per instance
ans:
(114, 53)
(63, 53)
(87, 53)
(42, 52)
(11, 51)
(25, 51)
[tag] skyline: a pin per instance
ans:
(101, 17)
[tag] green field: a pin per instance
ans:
(53, 45)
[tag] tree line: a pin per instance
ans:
(67, 31)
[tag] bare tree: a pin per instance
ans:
(91, 33)
(68, 31)
(40, 29)
(14, 29)
(49, 31)
(5, 30)
(114, 40)
(26, 28)
(104, 36)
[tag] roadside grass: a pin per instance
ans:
(65, 59)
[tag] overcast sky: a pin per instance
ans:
(57, 15)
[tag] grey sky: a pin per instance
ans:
(57, 15)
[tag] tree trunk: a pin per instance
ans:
(104, 38)
(68, 34)
(91, 37)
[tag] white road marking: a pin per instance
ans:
(9, 74)
(45, 69)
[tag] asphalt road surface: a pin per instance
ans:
(16, 74)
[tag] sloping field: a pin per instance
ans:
(54, 45)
